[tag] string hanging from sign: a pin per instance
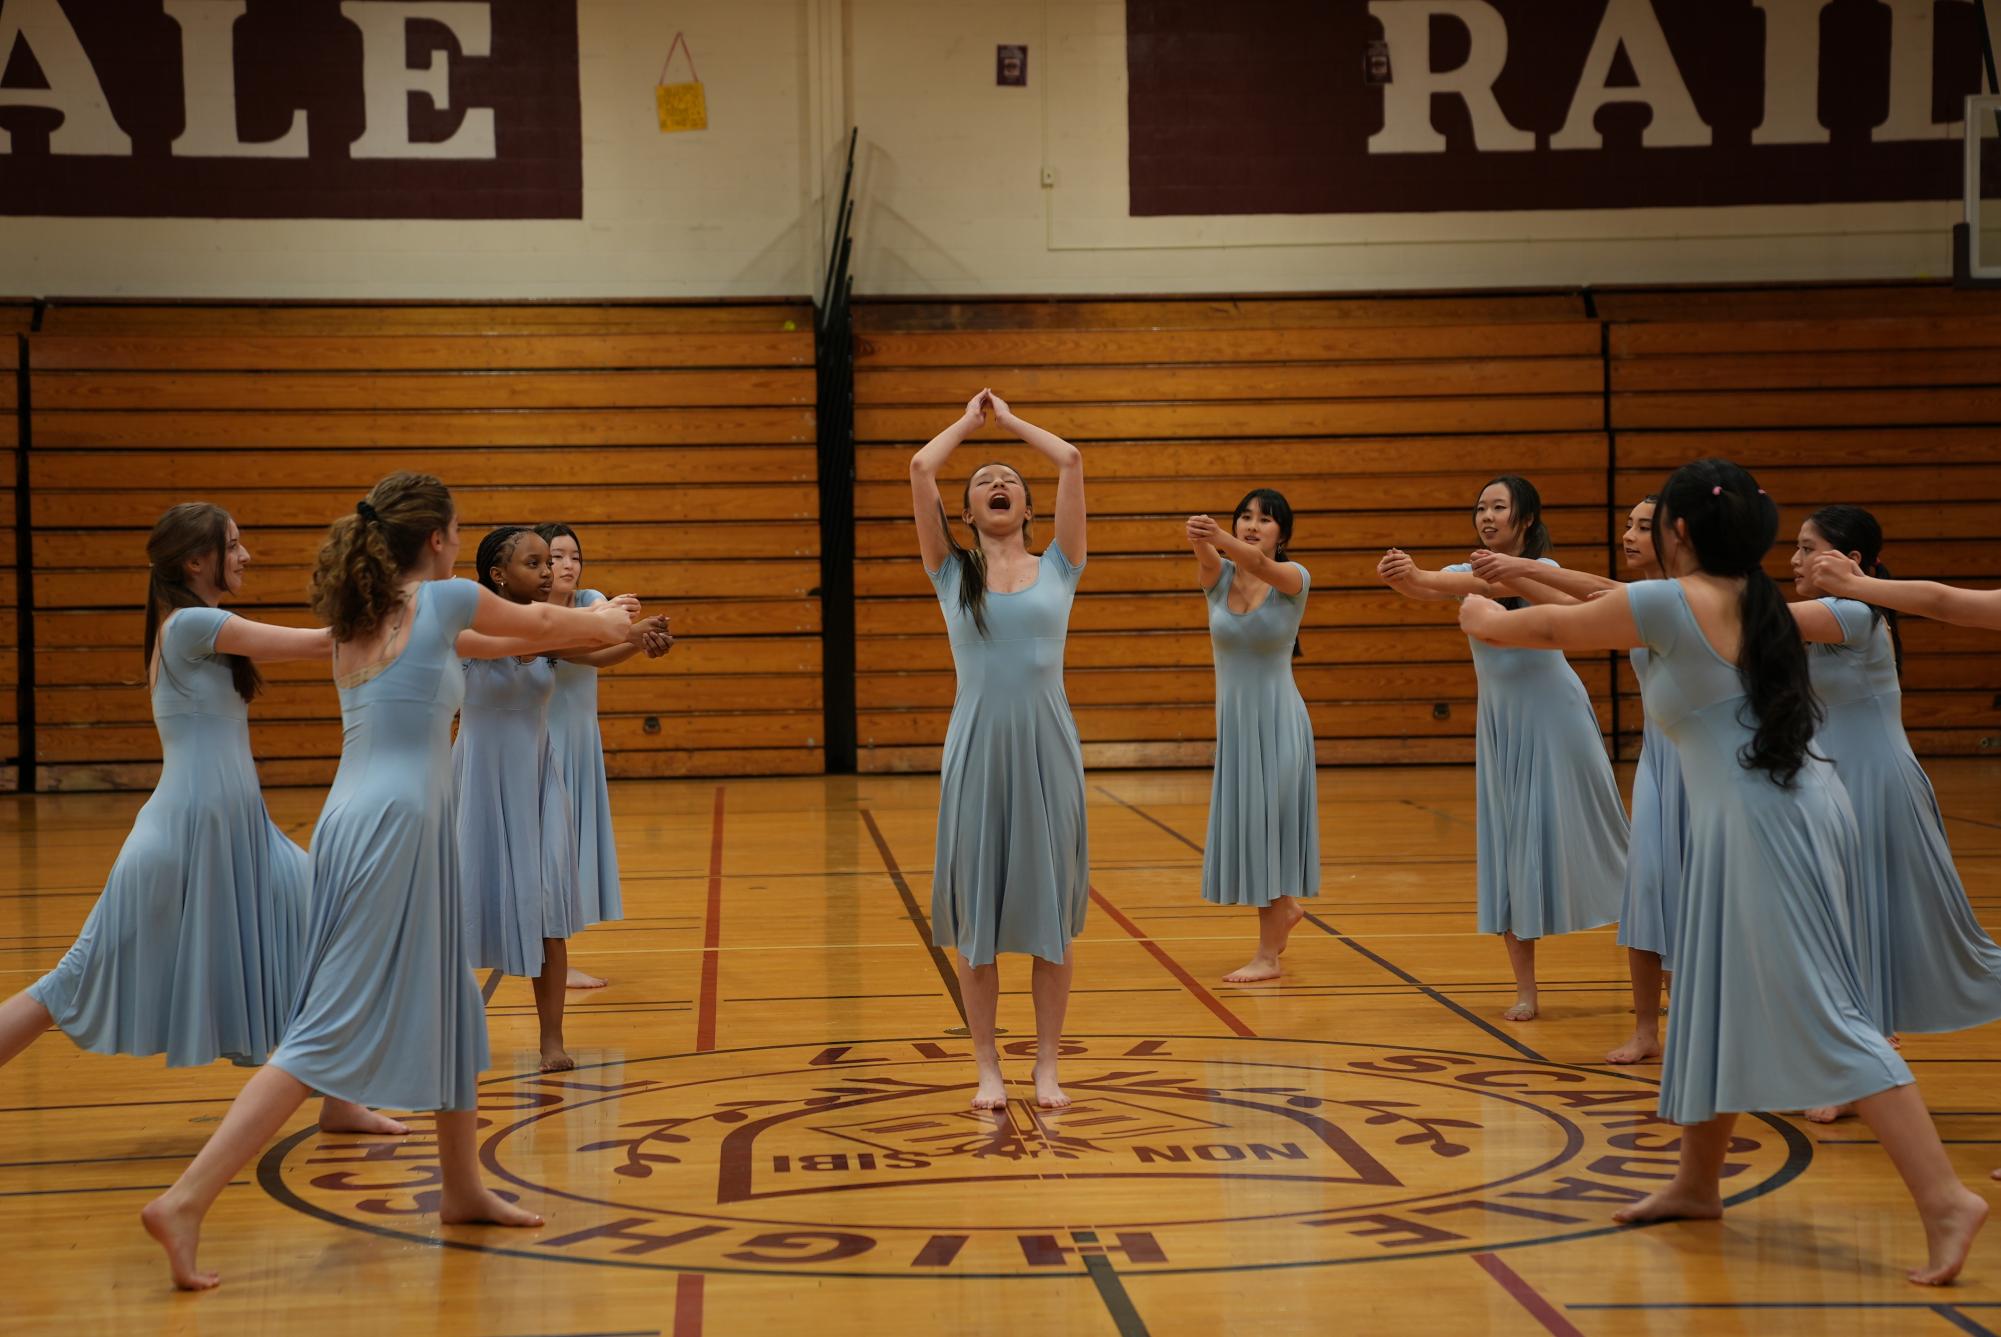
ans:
(682, 106)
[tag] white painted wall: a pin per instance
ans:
(952, 196)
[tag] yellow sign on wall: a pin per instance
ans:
(682, 106)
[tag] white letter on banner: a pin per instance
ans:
(387, 79)
(1792, 73)
(88, 127)
(208, 81)
(1407, 126)
(1632, 24)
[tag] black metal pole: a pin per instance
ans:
(834, 357)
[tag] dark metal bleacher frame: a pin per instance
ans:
(834, 356)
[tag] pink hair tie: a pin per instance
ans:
(1716, 491)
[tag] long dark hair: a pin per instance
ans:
(1273, 503)
(495, 550)
(1731, 525)
(366, 553)
(187, 531)
(1525, 503)
(1853, 529)
(973, 561)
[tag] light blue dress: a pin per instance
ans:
(389, 1013)
(1012, 872)
(1264, 813)
(573, 731)
(1926, 963)
(1550, 825)
(193, 950)
(517, 854)
(1648, 918)
(1768, 1010)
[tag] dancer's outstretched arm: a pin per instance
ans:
(1539, 582)
(1604, 623)
(1400, 571)
(1285, 577)
(1838, 573)
(263, 641)
(641, 635)
(1069, 462)
(1208, 562)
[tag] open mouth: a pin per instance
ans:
(999, 502)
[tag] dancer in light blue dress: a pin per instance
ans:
(1769, 1010)
(1840, 574)
(1652, 887)
(1263, 847)
(517, 841)
(579, 744)
(1551, 827)
(388, 1012)
(195, 947)
(1927, 966)
(1012, 872)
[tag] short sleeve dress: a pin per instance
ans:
(194, 948)
(1551, 826)
(1264, 815)
(1768, 1010)
(1926, 963)
(573, 731)
(517, 848)
(388, 1011)
(1648, 917)
(1012, 872)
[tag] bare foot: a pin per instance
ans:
(992, 1092)
(1523, 1010)
(1639, 1049)
(1829, 1113)
(554, 1059)
(1262, 967)
(1048, 1094)
(1672, 1204)
(344, 1116)
(179, 1233)
(1949, 1237)
(578, 980)
(484, 1207)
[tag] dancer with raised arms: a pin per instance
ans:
(1012, 872)
(1263, 847)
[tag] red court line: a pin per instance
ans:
(712, 939)
(688, 1300)
(1527, 1296)
(1188, 981)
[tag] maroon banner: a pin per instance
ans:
(1354, 106)
(290, 108)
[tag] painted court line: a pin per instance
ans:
(1527, 1297)
(712, 934)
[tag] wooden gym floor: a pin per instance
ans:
(768, 1129)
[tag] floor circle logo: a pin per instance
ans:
(1184, 1153)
